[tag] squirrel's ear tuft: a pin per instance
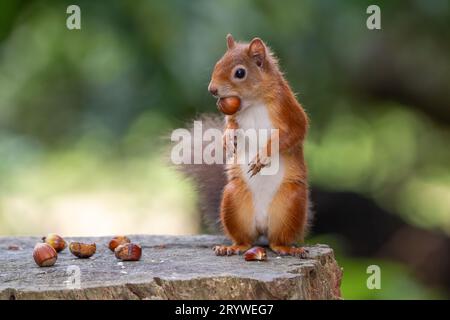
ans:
(257, 50)
(230, 41)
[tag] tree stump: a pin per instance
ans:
(171, 267)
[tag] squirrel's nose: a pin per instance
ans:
(213, 90)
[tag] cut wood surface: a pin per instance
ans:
(171, 267)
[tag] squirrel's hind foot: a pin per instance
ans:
(290, 251)
(230, 250)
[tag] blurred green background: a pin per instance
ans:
(83, 114)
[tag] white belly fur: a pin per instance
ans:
(262, 187)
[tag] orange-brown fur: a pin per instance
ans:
(287, 214)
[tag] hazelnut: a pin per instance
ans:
(229, 105)
(117, 241)
(56, 241)
(44, 255)
(255, 254)
(82, 250)
(128, 252)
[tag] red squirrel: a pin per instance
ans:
(252, 205)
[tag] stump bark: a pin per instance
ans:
(171, 267)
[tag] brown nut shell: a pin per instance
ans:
(44, 255)
(255, 254)
(128, 252)
(82, 250)
(117, 241)
(56, 241)
(229, 105)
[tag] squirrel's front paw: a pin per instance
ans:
(257, 164)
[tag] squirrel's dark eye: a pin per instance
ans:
(240, 73)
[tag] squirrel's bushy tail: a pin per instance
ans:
(209, 179)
